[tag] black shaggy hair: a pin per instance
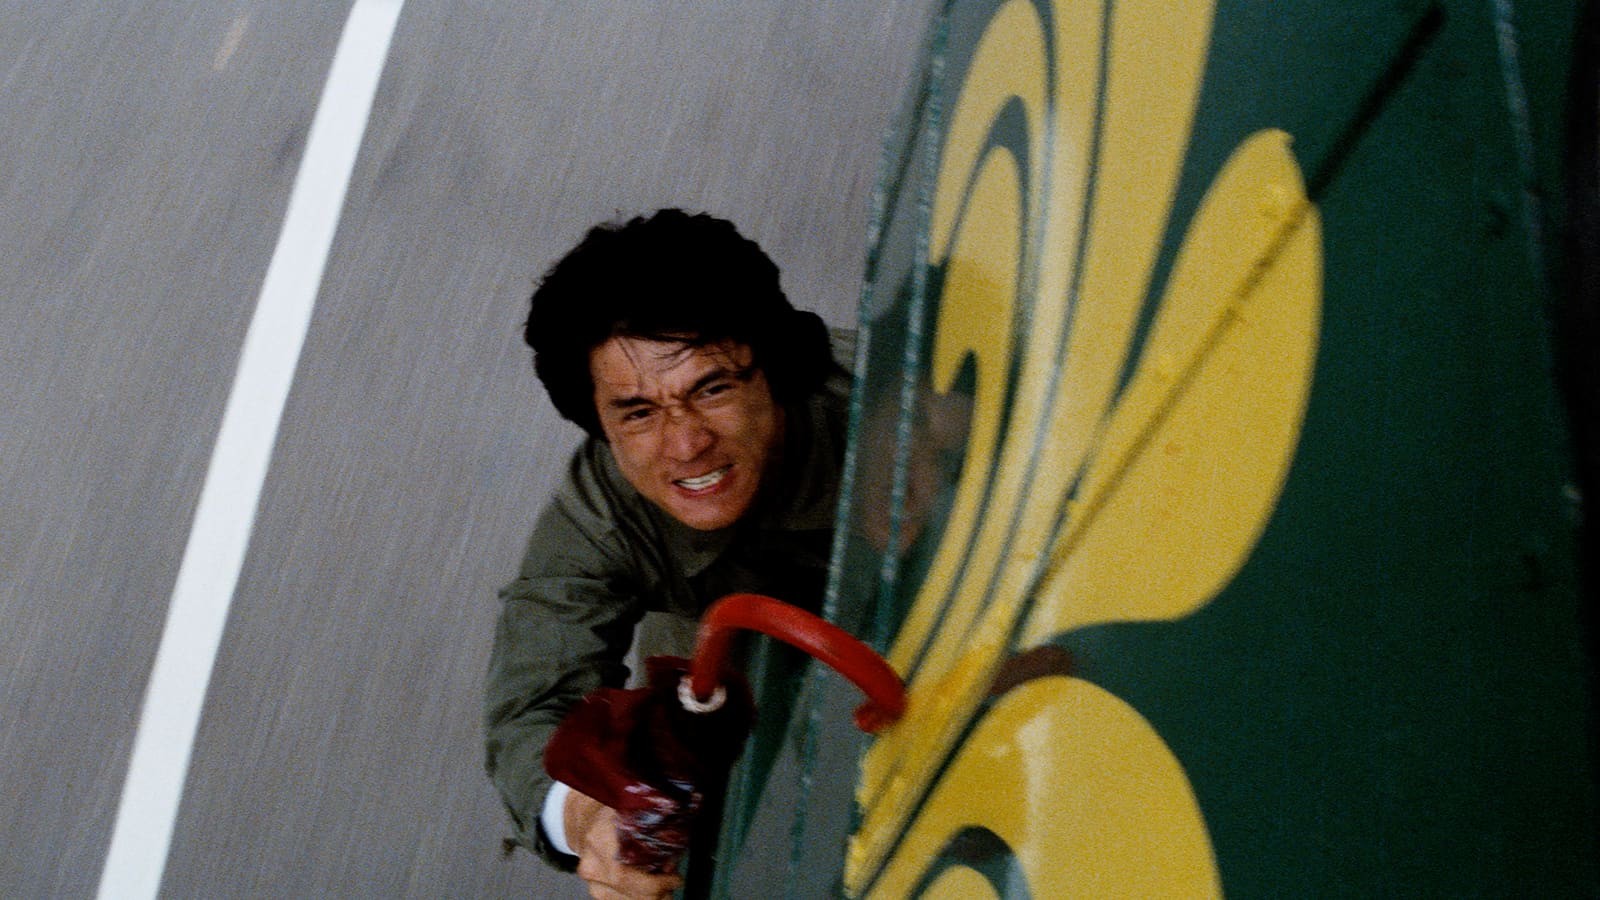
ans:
(669, 276)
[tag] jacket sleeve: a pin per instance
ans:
(565, 626)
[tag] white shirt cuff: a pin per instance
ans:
(553, 817)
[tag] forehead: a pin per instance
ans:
(630, 365)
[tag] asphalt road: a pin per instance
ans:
(147, 153)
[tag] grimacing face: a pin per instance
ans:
(693, 429)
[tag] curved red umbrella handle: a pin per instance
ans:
(886, 693)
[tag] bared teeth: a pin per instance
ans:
(704, 481)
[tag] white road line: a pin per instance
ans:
(226, 513)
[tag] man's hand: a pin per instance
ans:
(591, 828)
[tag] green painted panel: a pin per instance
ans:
(1309, 552)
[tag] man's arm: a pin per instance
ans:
(555, 643)
(558, 639)
(565, 625)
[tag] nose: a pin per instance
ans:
(685, 435)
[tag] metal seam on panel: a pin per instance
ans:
(1519, 116)
(225, 515)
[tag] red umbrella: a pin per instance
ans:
(652, 753)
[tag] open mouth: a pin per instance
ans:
(703, 482)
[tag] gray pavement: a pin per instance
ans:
(147, 151)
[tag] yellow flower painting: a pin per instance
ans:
(1130, 432)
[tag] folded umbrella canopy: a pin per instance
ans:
(654, 753)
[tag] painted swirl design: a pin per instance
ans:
(1130, 431)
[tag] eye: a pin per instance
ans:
(717, 389)
(637, 414)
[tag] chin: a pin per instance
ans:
(705, 520)
(711, 516)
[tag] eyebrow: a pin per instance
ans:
(716, 374)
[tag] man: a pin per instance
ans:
(715, 415)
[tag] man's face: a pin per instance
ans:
(693, 429)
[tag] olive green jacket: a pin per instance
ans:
(601, 556)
